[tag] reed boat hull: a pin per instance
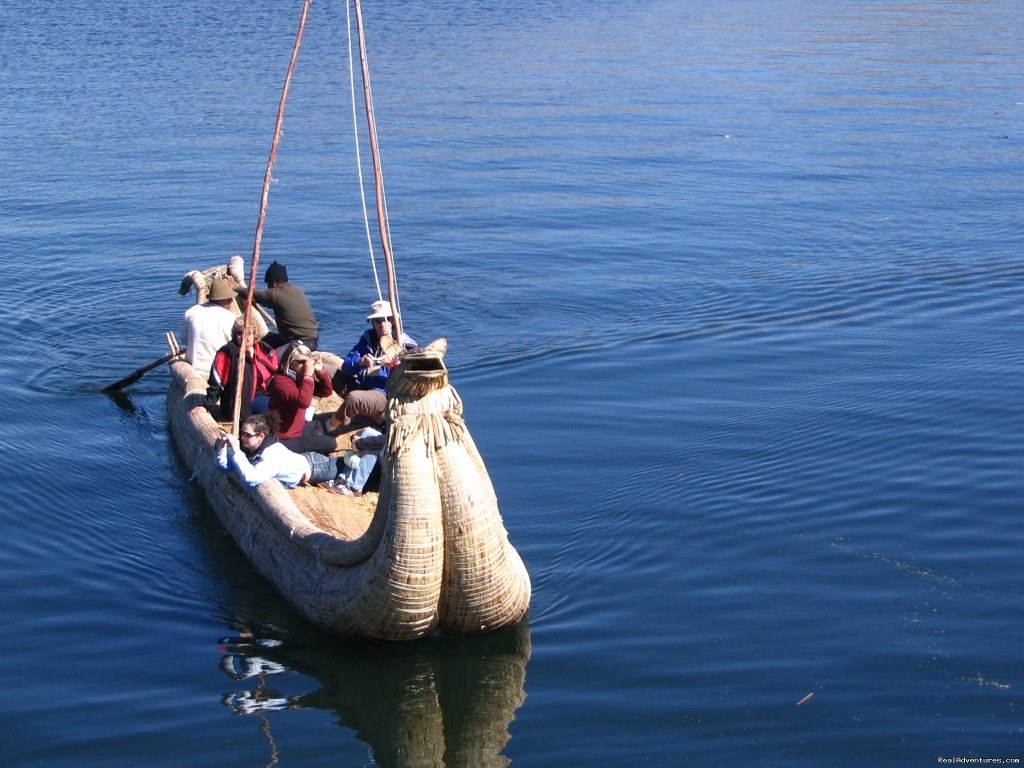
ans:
(432, 553)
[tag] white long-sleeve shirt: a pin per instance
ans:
(205, 329)
(275, 461)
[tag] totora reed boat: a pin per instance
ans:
(429, 551)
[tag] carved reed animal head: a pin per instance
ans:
(421, 369)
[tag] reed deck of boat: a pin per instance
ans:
(346, 517)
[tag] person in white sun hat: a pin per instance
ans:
(364, 374)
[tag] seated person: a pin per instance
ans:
(256, 457)
(365, 372)
(292, 312)
(207, 327)
(300, 377)
(356, 474)
(260, 364)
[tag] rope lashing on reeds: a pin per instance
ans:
(434, 551)
(433, 461)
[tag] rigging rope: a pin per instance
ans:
(359, 162)
(378, 174)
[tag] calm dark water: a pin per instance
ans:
(732, 292)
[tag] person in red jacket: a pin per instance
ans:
(300, 377)
(260, 365)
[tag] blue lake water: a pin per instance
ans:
(733, 298)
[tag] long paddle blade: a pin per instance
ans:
(131, 378)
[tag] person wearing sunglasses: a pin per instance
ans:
(364, 374)
(256, 457)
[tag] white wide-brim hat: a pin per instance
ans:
(380, 310)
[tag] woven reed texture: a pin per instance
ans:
(342, 585)
(433, 553)
(486, 585)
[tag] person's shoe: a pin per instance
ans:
(343, 490)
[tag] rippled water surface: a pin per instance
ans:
(732, 292)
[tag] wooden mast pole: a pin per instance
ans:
(240, 377)
(378, 175)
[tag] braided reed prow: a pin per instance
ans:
(485, 583)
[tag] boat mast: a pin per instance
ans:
(378, 175)
(247, 313)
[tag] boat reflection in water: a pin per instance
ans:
(445, 701)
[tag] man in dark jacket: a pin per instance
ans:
(292, 312)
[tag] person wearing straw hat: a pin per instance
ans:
(365, 372)
(207, 327)
(292, 312)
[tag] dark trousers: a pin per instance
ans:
(277, 341)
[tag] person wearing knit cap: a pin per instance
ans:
(292, 312)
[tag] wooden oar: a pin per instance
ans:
(266, 316)
(131, 378)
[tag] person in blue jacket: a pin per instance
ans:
(365, 372)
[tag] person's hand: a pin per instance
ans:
(318, 363)
(367, 361)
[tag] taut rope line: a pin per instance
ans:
(378, 174)
(359, 160)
